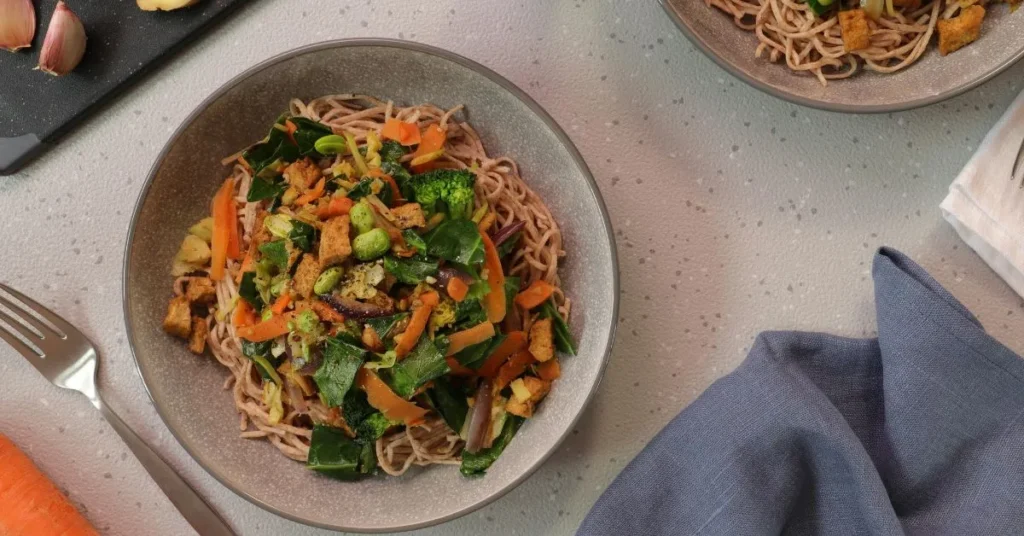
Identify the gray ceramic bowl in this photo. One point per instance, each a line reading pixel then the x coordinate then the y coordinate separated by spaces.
pixel 932 79
pixel 186 389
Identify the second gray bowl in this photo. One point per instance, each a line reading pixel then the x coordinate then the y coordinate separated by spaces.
pixel 186 389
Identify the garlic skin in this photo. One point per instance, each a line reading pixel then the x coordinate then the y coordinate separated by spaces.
pixel 64 43
pixel 163 5
pixel 17 24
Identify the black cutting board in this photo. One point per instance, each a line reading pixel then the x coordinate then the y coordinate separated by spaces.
pixel 124 43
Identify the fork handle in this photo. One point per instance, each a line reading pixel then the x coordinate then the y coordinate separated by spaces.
pixel 196 511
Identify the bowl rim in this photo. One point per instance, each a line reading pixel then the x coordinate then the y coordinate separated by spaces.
pixel 755 82
pixel 505 84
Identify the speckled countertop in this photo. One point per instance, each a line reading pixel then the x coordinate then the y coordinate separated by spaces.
pixel 734 213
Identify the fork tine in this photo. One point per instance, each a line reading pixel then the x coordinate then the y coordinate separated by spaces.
pixel 58 322
pixel 21 347
pixel 20 328
pixel 27 318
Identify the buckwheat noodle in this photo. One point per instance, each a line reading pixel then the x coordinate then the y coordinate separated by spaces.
pixel 789 31
pixel 498 184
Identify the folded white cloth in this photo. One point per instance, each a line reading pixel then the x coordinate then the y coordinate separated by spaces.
pixel 986 204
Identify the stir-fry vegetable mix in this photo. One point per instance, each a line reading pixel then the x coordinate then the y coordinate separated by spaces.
pixel 375 282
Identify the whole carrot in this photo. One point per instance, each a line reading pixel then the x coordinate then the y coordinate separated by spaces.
pixel 32 505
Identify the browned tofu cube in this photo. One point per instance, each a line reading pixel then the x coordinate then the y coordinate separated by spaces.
pixel 197 341
pixel 541 340
pixel 305 275
pixel 856 32
pixel 302 174
pixel 201 291
pixel 178 321
pixel 335 246
pixel 537 387
pixel 409 215
pixel 960 31
pixel 522 409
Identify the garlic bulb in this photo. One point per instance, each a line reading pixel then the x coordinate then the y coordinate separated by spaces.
pixel 64 44
pixel 17 24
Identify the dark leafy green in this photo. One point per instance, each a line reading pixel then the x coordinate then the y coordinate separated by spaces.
pixel 450 402
pixel 259 353
pixel 384 324
pixel 362 418
pixel 333 454
pixel 457 241
pixel 474 356
pixel 253 349
pixel 414 240
pixel 507 246
pixel 469 313
pixel 477 464
pixel 307 132
pixel 361 190
pixel 512 284
pixel 402 178
pixel 410 271
pixel 302 235
pixel 277 147
pixel 425 362
pixel 368 459
pixel 277 253
pixel 248 291
pixel 562 335
pixel 820 7
pixel 266 188
pixel 338 370
pixel 391 151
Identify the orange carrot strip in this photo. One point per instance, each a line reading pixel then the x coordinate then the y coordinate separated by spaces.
pixel 32 504
pixel 514 368
pixel 247 262
pixel 550 369
pixel 383 399
pixel 410 134
pixel 433 139
pixel 290 132
pixel 457 369
pixel 326 312
pixel 392 130
pixel 312 194
pixel 244 315
pixel 514 343
pixel 417 323
pixel 269 329
pixel 337 206
pixel 457 289
pixel 494 301
pixel 281 303
pixel 221 233
pixel 461 340
pixel 537 293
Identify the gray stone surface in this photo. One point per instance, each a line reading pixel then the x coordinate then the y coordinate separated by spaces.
pixel 734 213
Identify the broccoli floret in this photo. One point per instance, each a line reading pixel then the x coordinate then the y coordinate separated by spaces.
pixel 453 187
pixel 391 151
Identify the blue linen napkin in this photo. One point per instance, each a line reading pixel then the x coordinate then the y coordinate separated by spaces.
pixel 916 432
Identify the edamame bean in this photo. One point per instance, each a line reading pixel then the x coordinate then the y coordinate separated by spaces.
pixel 361 218
pixel 371 245
pixel 328 280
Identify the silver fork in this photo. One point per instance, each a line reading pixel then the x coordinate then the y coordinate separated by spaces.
pixel 68 359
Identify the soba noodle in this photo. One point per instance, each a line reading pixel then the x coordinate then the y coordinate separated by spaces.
pixel 498 184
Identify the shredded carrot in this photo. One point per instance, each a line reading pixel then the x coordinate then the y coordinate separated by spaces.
pixel 417 323
pixel 457 369
pixel 433 139
pixel 326 312
pixel 400 131
pixel 383 399
pixel 281 303
pixel 549 370
pixel 221 232
pixel 514 368
pixel 396 194
pixel 536 294
pixel 494 301
pixel 457 289
pixel 337 206
pixel 244 315
pixel 269 329
pixel 461 340
pixel 247 262
pixel 290 129
pixel 514 342
pixel 312 194
pixel 32 504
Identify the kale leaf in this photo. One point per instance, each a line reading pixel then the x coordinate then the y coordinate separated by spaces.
pixel 457 241
pixel 477 464
pixel 410 271
pixel 338 370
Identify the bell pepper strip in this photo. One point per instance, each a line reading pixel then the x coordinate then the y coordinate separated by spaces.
pixel 337 206
pixel 494 301
pixel 384 400
pixel 457 369
pixel 221 232
pixel 536 294
pixel 514 368
pixel 461 340
pixel 326 312
pixel 281 304
pixel 417 323
pixel 515 342
pixel 269 329
pixel 312 194
pixel 431 140
pixel 549 370
pixel 244 315
pixel 457 289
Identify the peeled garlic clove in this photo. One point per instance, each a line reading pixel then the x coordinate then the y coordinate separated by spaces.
pixel 164 5
pixel 17 24
pixel 64 44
